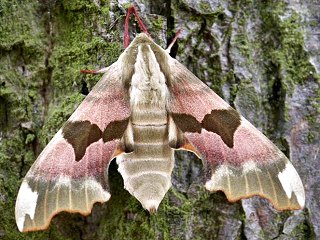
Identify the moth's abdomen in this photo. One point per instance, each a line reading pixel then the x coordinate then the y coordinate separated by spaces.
pixel 147 170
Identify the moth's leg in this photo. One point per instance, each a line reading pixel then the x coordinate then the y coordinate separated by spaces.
pixel 177 141
pixel 127 139
pixel 176 138
pixel 96 71
pixel 133 10
pixel 174 40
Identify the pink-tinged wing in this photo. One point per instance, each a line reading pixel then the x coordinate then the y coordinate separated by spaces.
pixel 71 172
pixel 239 159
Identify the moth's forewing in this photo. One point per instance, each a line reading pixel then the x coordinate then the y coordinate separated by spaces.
pixel 239 159
pixel 70 173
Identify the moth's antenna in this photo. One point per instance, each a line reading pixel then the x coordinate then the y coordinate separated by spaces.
pixel 126 39
pixel 96 71
pixel 174 40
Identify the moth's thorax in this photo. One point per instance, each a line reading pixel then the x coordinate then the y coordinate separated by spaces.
pixel 148 84
pixel 147 170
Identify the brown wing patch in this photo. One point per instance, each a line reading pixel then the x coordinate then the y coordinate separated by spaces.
pixel 186 123
pixel 80 135
pixel 223 122
pixel 115 130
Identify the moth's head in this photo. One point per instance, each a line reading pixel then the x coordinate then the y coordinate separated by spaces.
pixel 145 45
pixel 141 38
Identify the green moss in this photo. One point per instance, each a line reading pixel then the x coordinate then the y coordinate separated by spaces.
pixel 76 5
pixel 286 49
pixel 57 115
pixel 21 46
pixel 16 157
pixel 127 5
pixel 313 112
pixel 158 24
pixel 12 152
pixel 205 6
pixel 17 22
pixel 30 138
pixel 78 47
pixel 240 39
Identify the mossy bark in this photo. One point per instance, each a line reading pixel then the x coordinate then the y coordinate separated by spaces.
pixel 252 54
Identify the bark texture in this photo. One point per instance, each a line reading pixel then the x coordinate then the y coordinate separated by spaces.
pixel 261 56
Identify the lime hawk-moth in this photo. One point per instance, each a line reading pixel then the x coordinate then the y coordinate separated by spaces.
pixel 146 106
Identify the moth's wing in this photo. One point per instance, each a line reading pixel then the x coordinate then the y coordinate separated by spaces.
pixel 70 173
pixel 239 160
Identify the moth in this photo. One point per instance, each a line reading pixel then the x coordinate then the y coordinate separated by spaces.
pixel 146 106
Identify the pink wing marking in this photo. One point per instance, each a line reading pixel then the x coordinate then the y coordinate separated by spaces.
pixel 249 145
pixel 107 102
pixel 188 95
pixel 58 158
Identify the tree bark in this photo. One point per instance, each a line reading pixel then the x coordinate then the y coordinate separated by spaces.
pixel 262 57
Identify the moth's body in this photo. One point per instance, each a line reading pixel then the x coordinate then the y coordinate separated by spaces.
pixel 147 169
pixel 146 106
